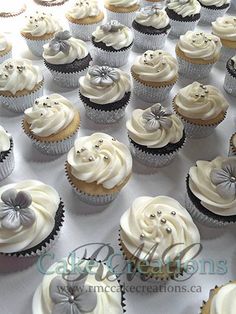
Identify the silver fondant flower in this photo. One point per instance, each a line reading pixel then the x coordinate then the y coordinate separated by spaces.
pixel 225 179
pixel 112 26
pixel 71 295
pixel 59 42
pixel 152 10
pixel 103 75
pixel 15 211
pixel 157 117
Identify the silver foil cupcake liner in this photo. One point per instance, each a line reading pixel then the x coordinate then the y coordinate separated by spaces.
pixel 197 131
pixel 149 42
pixel 70 79
pixel 210 15
pixel 191 70
pixel 83 31
pixel 111 58
pixel 179 27
pixel 201 218
pixel 6 56
pixel 7 165
pixel 226 53
pixel 230 84
pixel 98 200
pixel 36 46
pixel 21 103
pixel 123 18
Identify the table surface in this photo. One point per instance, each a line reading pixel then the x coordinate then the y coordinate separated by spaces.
pixel 16 290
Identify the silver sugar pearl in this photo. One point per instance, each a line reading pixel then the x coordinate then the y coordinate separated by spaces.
pixel 169 230
pixel 142 236
pixel 91 158
pixel 152 216
pixel 173 213
pixel 163 220
pixel 159 212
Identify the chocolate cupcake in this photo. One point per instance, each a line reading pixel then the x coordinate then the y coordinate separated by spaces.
pixel 212 9
pixel 7 162
pixel 230 76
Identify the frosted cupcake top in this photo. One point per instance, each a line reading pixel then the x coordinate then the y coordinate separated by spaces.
pixel 159 222
pixel 225 27
pixel 113 34
pixel 152 16
pixel 156 66
pixel 18 75
pixel 184 7
pixel 5 140
pixel 154 127
pixel 104 85
pixel 40 24
pixel 224 300
pixel 91 292
pixel 100 158
pixel 216 3
pixel 50 115
pixel 83 8
pixel 122 3
pixel 27 214
pixel 214 184
pixel 64 49
pixel 198 101
pixel 200 45
pixel 3 42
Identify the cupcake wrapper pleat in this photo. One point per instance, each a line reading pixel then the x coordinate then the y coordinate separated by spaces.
pixel 231 152
pixel 198 131
pixel 83 31
pixel 7 165
pixel 226 53
pixel 123 18
pixel 148 41
pixel 210 15
pixel 230 84
pixel 95 199
pixel 6 56
pixel 181 27
pixel 70 80
pixel 196 71
pixel 36 46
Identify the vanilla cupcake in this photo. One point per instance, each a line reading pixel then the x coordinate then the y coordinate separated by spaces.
pixel 184 15
pixel 201 108
pixel 154 75
pixel 112 44
pixel 149 228
pixel 84 17
pixel 105 93
pixel 5 48
pixel 211 191
pixel 232 145
pixel 151 27
pixel 98 167
pixel 67 58
pixel 21 83
pixel 197 52
pixel 31 216
pixel 230 76
pixel 156 135
pixel 7 162
pixel 38 30
pixel 122 10
pixel 212 9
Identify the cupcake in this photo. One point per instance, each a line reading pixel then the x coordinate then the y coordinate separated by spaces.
pixel 201 108
pixel 211 191
pixel 184 15
pixel 38 30
pixel 162 223
pixel 197 52
pixel 154 74
pixel 7 162
pixel 105 93
pixel 84 17
pixel 67 58
pixel 31 216
pixel 156 135
pixel 86 286
pixel 112 43
pixel 123 11
pixel 232 145
pixel 230 76
pixel 98 167
pixel 151 27
pixel 5 48
pixel 225 28
pixel 21 83
pixel 52 124
pixel 212 9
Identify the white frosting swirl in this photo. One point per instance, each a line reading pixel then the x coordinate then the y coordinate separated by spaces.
pixel 50 115
pixel 156 66
pixel 110 164
pixel 105 94
pixel 217 3
pixel 78 50
pixel 200 45
pixel 19 74
pixel 225 27
pixel 137 221
pixel 108 290
pixel 157 20
pixel 3 42
pixel 117 40
pixel 224 300
pixel 198 101
pixel 40 24
pixel 83 8
pixel 202 187
pixel 4 140
pixel 155 138
pixel 122 3
pixel 190 7
pixel 45 202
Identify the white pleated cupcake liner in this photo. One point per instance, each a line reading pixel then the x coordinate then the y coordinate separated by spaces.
pixel 201 218
pixel 21 103
pixel 230 84
pixel 149 3
pixel 148 41
pixel 181 27
pixel 210 15
pixel 70 79
pixel 191 70
pixel 36 46
pixel 226 53
pixel 111 58
pixel 123 18
pixel 195 131
pixel 83 31
pixel 7 165
pixel 149 93
pixel 6 56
